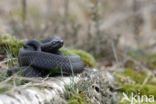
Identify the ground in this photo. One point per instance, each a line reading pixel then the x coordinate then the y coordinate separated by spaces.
pixel 133 77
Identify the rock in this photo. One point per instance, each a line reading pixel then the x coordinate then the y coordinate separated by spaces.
pixel 94 86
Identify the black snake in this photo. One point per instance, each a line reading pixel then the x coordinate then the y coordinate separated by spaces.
pixel 44 57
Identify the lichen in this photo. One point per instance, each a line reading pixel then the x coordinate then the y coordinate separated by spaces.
pixel 95 89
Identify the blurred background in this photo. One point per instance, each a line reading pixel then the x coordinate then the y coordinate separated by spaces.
pixel 120 34
pixel 104 28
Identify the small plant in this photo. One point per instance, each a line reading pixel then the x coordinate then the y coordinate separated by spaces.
pixel 74 96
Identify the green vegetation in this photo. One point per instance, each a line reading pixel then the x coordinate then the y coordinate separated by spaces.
pixel 139 90
pixel 75 95
pixel 138 77
pixel 152 61
pixel 142 89
pixel 10 44
pixel 132 81
pixel 77 98
pixel 140 55
pixel 87 58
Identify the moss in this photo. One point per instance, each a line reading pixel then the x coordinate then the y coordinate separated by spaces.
pixel 3 89
pixel 139 76
pixel 74 95
pixel 142 89
pixel 137 88
pixel 88 59
pixel 10 44
pixel 132 76
pixel 77 98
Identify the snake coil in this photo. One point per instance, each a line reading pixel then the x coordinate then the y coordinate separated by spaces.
pixel 45 57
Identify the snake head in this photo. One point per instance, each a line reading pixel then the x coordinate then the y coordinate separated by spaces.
pixel 56 42
pixel 52 44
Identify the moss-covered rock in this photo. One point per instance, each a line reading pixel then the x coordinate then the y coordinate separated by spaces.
pixel 87 58
pixel 10 44
pixel 95 88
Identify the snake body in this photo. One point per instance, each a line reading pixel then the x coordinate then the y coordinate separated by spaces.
pixel 45 56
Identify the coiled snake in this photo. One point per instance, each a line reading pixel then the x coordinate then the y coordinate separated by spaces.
pixel 45 57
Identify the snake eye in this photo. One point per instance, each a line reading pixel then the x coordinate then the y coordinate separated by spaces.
pixel 57 42
pixel 54 42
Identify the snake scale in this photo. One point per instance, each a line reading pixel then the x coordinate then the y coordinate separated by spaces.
pixel 43 57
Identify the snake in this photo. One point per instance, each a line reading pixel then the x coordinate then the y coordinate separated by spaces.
pixel 39 58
